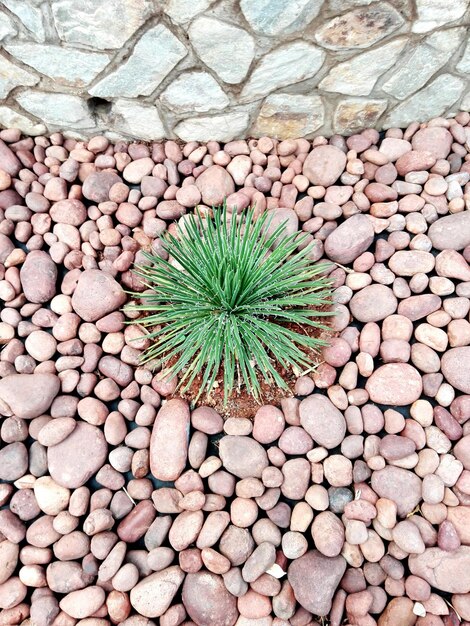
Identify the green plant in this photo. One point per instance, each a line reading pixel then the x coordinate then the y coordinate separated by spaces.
pixel 239 298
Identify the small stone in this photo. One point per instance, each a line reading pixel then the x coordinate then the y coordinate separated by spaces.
pixel 350 239
pixel 373 303
pixel 169 441
pixel 399 485
pixel 243 456
pixel 322 420
pixel 455 365
pixel 38 277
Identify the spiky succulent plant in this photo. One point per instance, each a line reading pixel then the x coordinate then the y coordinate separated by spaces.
pixel 235 297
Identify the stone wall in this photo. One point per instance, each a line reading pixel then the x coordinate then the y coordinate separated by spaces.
pixel 220 69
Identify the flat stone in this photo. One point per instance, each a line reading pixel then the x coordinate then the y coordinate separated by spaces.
pixel 195 92
pixel 68 65
pixel 397 384
pixel 96 295
pixel 324 165
pixel 273 19
pixel 207 600
pixel 12 76
pixel 7 26
pixel 57 110
pixel 431 101
pixel 214 128
pixel 152 596
pixel 354 114
pixel 287 116
pixel 464 64
pixel 291 63
pixel 433 14
pixel 455 365
pixel 217 43
pixel 30 16
pixel 314 579
pixel 242 456
pixel 139 75
pixel 360 28
pixel 426 58
pixel 322 420
pixel 104 25
pixel 73 461
pixel 182 11
pixel 446 571
pixel 451 232
pixel 27 395
pixel 169 440
pixel 373 303
pixel 357 76
pixel 9 118
pixel 350 239
pixel 400 485
pixel 139 121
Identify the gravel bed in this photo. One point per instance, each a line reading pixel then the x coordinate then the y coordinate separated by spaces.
pixel 350 501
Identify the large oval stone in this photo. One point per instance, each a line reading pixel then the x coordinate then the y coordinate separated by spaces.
pixel 451 232
pixel 322 420
pixel 243 456
pixel 215 184
pixel 446 571
pixel 38 277
pixel 96 295
pixel 73 461
pixel 400 485
pixel 397 384
pixel 373 303
pixel 350 239
pixel 324 165
pixel 455 365
pixel 152 596
pixel 207 600
pixel 314 579
pixel 27 395
pixel 169 440
pixel 417 307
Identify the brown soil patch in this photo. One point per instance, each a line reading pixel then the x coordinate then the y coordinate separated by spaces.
pixel 241 403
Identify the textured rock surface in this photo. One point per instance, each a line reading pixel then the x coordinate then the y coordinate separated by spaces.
pixel 227 70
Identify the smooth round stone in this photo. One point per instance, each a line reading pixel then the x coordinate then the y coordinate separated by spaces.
pixel 207 600
pixel 242 456
pixel 347 242
pixel 96 295
pixel 324 165
pixel 387 385
pixel 38 277
pixel 411 262
pixel 338 498
pixel 268 424
pixel 322 421
pixel 455 365
pixel 451 232
pixel 399 485
pixel 373 303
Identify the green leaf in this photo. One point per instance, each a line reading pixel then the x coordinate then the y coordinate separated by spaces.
pixel 235 298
